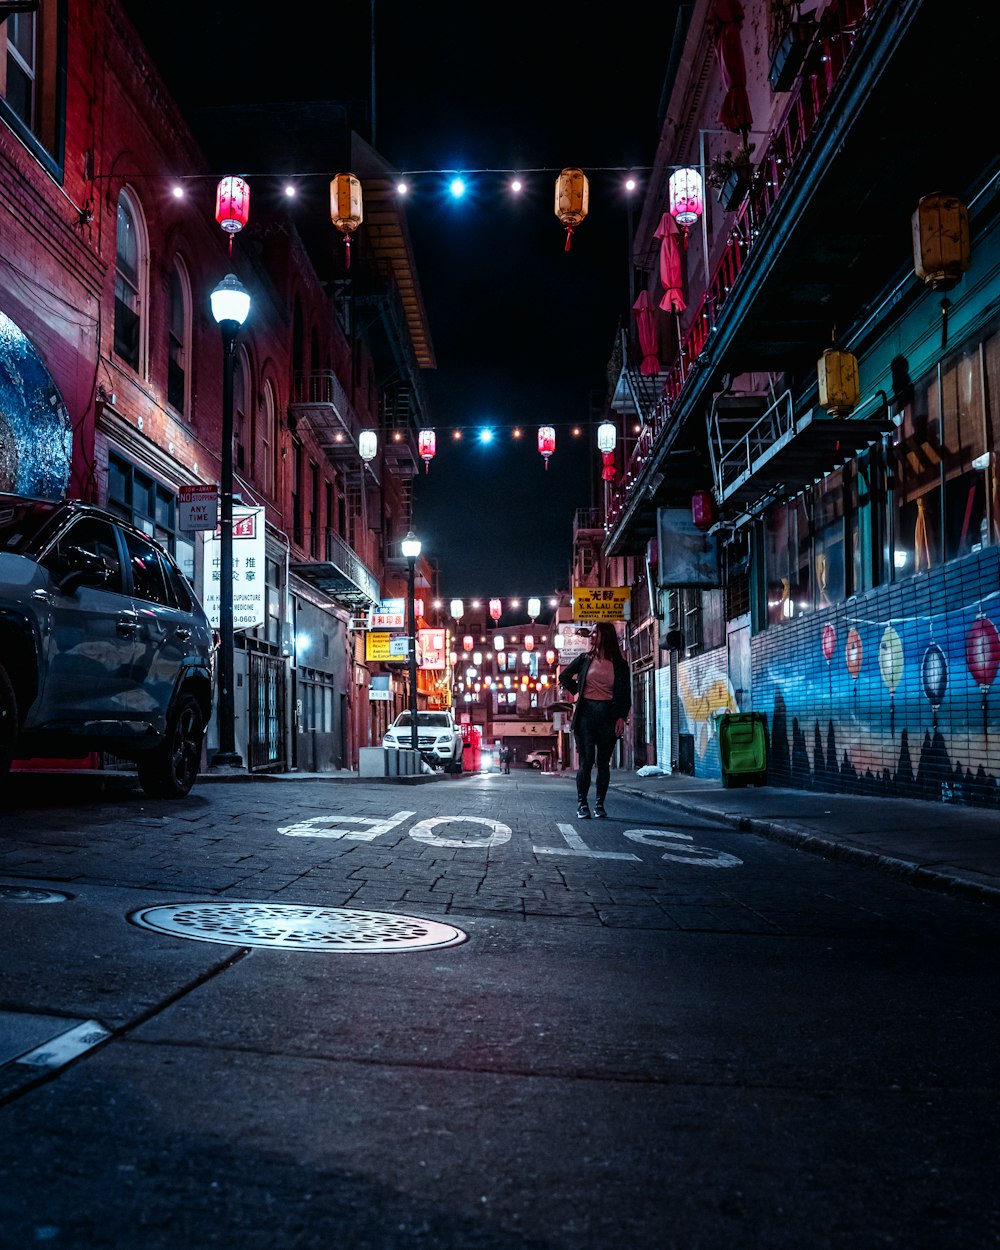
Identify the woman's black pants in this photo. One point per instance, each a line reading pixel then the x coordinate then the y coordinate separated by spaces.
pixel 594 731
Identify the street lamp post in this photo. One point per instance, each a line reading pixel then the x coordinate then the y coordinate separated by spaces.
pixel 230 306
pixel 411 549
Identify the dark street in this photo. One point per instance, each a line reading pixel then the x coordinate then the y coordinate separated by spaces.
pixel 651 1031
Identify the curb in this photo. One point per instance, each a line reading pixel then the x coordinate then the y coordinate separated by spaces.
pixel 804 840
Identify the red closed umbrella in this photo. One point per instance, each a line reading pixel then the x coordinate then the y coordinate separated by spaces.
pixel 671 278
pixel 645 321
pixel 725 25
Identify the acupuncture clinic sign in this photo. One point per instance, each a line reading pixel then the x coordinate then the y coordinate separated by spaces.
pixel 249 582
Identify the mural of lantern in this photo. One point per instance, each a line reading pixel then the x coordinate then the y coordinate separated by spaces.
pixel 890 665
pixel 853 653
pixel 232 206
pixel 367 445
pixel 982 655
pixel 467 643
pixel 607 436
pixel 427 446
pixel 572 200
pixel 546 442
pixel 346 211
pixel 839 390
pixel 686 200
pixel 934 674
pixel 496 609
pixel 829 644
pixel 941 250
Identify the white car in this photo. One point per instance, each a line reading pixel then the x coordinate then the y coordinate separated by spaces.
pixel 538 759
pixel 439 739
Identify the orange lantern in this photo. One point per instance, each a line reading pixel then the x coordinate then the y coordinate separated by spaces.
pixel 467 642
pixel 572 200
pixel 346 211
pixel 529 642
pixel 232 206
pixel 546 442
pixel 550 657
pixel 496 609
pixel 427 446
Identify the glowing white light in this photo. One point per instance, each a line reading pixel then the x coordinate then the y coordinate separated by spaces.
pixel 302 643
pixel 289 191
pixel 457 188
pixel 486 436
pixel 177 192
pixel 401 188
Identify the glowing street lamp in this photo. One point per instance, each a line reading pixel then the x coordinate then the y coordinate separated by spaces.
pixel 411 549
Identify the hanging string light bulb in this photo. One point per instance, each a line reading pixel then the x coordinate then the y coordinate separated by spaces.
pixel 232 206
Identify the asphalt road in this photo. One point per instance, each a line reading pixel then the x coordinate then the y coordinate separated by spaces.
pixel 646 1033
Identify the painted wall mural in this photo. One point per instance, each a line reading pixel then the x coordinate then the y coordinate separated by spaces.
pixel 891 693
pixel 705 693
pixel 36 435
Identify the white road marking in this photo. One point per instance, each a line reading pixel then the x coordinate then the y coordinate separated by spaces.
pixel 575 845
pixel 423 831
pixel 371 828
pixel 703 856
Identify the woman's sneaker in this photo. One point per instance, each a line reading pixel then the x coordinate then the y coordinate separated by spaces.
pixel 599 811
pixel 583 812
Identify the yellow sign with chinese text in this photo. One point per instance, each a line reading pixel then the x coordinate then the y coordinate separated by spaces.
pixel 601 603
pixel 377 645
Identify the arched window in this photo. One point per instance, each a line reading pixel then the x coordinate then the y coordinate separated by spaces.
pixel 130 281
pixel 179 338
pixel 241 412
pixel 268 442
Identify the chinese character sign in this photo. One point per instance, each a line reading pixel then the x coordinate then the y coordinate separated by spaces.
pixel 601 603
pixel 431 644
pixel 249 580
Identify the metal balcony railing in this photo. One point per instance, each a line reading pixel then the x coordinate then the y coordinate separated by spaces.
pixel 351 565
pixel 840 25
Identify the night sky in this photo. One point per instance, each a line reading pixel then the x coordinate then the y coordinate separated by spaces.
pixel 522 330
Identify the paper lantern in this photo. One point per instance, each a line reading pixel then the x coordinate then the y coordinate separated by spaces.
pixel 496 609
pixel 232 206
pixel 427 446
pixel 457 609
pixel 529 642
pixel 941 250
pixel 572 200
pixel 546 442
pixel 498 645
pixel 838 382
pixel 550 656
pixel 346 211
pixel 702 509
pixel 534 607
pixel 608 472
pixel 685 196
pixel 467 643
pixel 367 445
pixel 607 436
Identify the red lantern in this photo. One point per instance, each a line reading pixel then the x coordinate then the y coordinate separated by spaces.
pixel 232 206
pixel 608 472
pixel 496 609
pixel 702 509
pixel 529 642
pixel 467 642
pixel 546 442
pixel 427 446
pixel 982 654
pixel 686 199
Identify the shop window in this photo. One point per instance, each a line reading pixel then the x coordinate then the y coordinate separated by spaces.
pixel 828 543
pixel 130 279
pixel 33 78
pixel 788 559
pixel 151 507
pixel 178 337
pixel 941 495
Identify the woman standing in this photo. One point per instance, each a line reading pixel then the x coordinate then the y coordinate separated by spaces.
pixel 600 678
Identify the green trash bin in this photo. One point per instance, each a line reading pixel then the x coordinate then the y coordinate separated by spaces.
pixel 743 748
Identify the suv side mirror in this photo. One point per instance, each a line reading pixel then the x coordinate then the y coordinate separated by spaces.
pixel 85 568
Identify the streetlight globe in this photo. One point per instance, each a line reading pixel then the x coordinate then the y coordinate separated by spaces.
pixel 411 546
pixel 230 300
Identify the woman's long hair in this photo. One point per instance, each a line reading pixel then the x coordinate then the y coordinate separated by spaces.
pixel 604 641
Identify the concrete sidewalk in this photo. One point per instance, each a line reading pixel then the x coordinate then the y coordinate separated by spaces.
pixel 938 846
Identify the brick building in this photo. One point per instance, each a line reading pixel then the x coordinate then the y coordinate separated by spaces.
pixel 108 251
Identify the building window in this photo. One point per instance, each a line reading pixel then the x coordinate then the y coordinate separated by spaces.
pixel 178 337
pixel 151 507
pixel 268 439
pixel 129 281
pixel 297 493
pixel 788 559
pixel 32 78
pixel 313 510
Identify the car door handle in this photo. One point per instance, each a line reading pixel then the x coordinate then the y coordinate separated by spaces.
pixel 42 595
pixel 128 623
pixel 183 633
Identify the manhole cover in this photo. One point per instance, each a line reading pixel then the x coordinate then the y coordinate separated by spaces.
pixel 27 894
pixel 294 927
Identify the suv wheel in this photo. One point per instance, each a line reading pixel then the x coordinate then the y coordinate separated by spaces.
pixel 8 722
pixel 170 770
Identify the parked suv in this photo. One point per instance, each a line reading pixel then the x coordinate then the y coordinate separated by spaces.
pixel 103 645
pixel 438 738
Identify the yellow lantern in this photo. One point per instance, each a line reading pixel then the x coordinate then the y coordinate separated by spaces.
pixel 839 390
pixel 941 249
pixel 346 211
pixel 572 200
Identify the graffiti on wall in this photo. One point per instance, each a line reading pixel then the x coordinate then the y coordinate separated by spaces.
pixel 893 693
pixel 705 694
pixel 36 436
